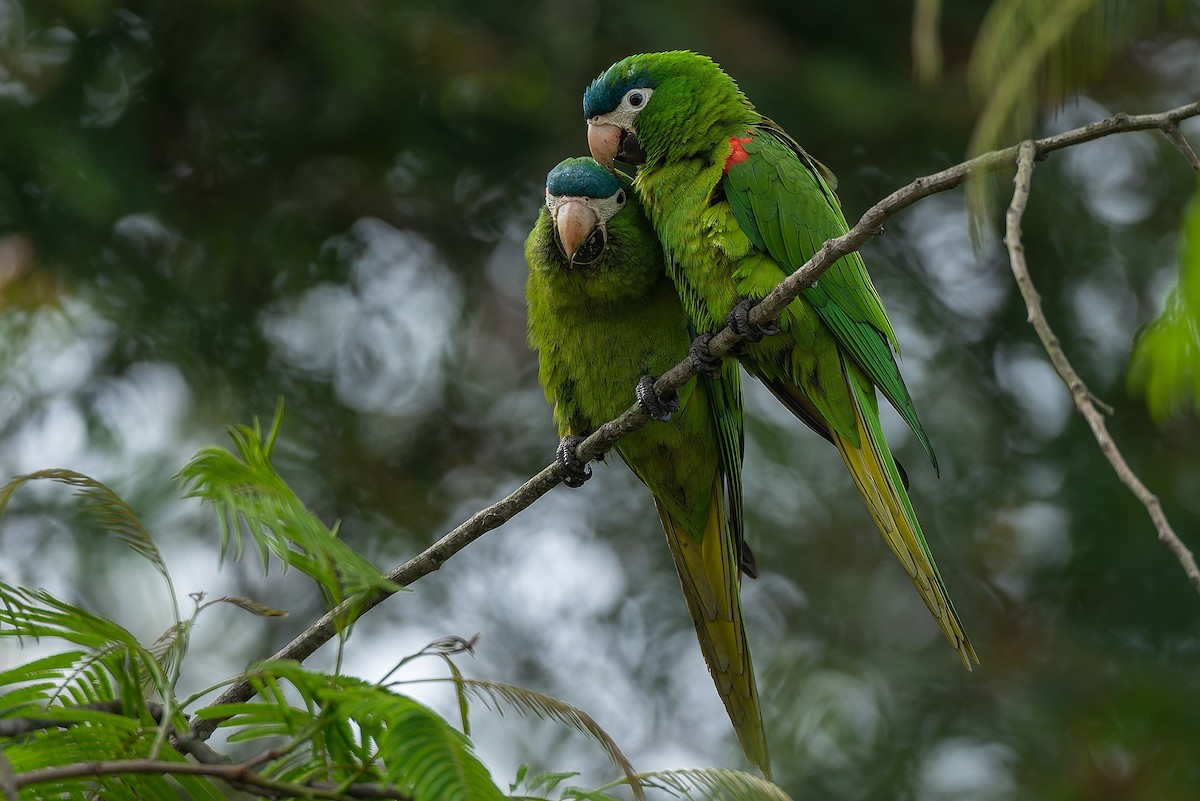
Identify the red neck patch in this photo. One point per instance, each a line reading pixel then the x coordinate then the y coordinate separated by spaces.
pixel 738 153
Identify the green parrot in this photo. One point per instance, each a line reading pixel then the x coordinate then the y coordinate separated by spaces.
pixel 604 318
pixel 739 205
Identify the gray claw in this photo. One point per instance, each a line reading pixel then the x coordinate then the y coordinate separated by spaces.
pixel 575 472
pixel 739 320
pixel 658 408
pixel 702 360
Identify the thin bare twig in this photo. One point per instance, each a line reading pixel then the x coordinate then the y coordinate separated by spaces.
pixel 768 309
pixel 1171 129
pixel 1079 392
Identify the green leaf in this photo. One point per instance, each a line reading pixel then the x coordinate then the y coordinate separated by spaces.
pixel 401 741
pixel 250 605
pixel 107 507
pixel 547 707
pixel 115 665
pixel 1165 365
pixel 714 784
pixel 547 781
pixel 251 497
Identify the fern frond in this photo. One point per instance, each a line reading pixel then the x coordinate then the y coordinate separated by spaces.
pixel 32 683
pixel 250 497
pixel 106 736
pixel 399 740
pixel 422 749
pixel 527 702
pixel 714 784
pixel 108 508
pixel 130 667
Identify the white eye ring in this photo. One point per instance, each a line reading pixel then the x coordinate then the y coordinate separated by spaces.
pixel 620 197
pixel 637 98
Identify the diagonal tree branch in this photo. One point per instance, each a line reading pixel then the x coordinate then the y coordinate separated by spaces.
pixel 768 309
pixel 241 775
pixel 1079 392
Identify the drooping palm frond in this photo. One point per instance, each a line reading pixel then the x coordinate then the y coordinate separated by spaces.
pixel 1033 53
pixel 251 498
pixel 1165 365
pixel 546 707
pixel 714 784
pixel 109 509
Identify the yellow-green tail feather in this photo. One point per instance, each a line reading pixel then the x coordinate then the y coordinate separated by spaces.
pixel 878 481
pixel 708 573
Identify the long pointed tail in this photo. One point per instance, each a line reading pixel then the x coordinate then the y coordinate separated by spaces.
pixel 879 481
pixel 708 573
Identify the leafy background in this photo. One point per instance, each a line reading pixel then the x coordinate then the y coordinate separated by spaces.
pixel 205 206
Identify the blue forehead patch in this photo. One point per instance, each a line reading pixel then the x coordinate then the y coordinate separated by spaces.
pixel 606 91
pixel 581 177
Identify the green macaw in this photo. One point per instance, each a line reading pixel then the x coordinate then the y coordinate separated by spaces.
pixel 604 318
pixel 738 205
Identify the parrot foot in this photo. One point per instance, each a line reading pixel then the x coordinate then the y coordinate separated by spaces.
pixel 659 408
pixel 739 320
pixel 703 361
pixel 574 471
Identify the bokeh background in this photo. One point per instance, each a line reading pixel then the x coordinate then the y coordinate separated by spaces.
pixel 208 205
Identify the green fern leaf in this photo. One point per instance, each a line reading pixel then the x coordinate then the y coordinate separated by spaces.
pixel 422 749
pixel 251 498
pixel 714 784
pixel 527 702
pixel 111 649
pixel 415 747
pixel 108 508
pixel 37 676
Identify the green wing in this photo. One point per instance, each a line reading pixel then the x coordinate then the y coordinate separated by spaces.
pixel 785 206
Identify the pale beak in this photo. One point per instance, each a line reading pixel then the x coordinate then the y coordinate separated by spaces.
pixel 604 139
pixel 575 222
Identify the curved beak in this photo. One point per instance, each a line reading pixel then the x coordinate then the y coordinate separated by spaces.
pixel 574 222
pixel 604 140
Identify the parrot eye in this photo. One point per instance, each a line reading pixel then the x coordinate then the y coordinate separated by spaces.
pixel 621 197
pixel 636 98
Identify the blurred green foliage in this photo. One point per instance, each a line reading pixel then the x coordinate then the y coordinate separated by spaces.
pixel 1165 364
pixel 208 205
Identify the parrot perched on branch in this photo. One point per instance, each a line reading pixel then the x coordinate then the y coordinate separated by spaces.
pixel 604 318
pixel 738 205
